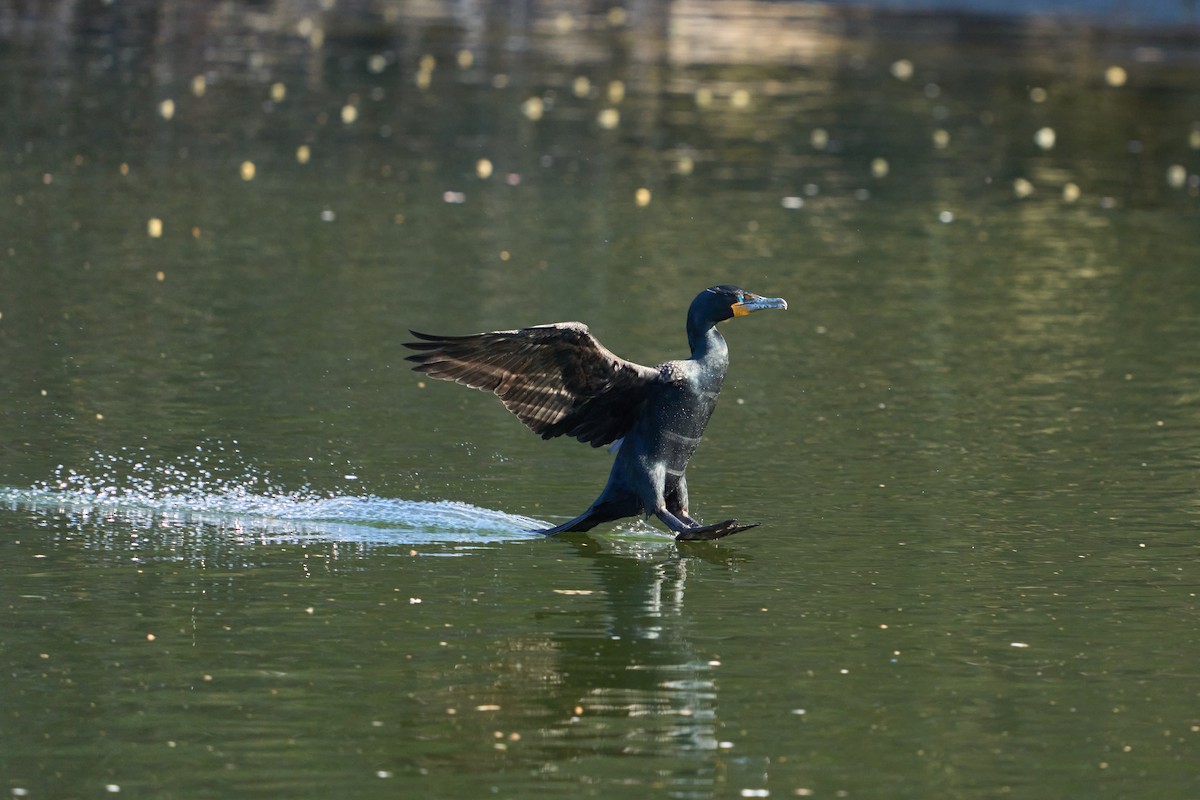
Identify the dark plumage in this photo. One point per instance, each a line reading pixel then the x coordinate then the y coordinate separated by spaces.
pixel 560 381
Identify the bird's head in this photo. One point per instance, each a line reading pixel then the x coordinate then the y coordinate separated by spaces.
pixel 719 303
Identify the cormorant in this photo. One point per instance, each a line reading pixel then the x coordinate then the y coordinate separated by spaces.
pixel 559 380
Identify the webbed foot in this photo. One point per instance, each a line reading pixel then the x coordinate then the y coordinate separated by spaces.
pixel 717 530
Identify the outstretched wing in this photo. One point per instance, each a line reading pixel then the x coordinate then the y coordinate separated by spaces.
pixel 558 379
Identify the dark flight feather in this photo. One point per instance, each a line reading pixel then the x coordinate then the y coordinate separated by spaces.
pixel 557 379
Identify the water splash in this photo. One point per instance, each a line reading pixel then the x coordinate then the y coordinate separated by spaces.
pixel 215 489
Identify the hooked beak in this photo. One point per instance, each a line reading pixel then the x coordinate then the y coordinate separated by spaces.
pixel 755 303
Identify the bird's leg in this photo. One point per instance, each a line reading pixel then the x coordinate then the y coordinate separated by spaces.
pixel 677 503
pixel 673 522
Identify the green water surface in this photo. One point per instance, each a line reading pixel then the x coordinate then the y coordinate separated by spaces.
pixel 971 440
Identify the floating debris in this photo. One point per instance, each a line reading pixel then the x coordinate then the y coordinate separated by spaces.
pixel 902 69
pixel 581 87
pixel 1037 94
pixel 1022 188
pixel 1176 176
pixel 483 168
pixel 199 86
pixel 1045 138
pixel 941 138
pixel 166 108
pixel 248 170
pixel 792 203
pixel 303 154
pixel 616 92
pixel 819 138
pixel 608 119
pixel 1070 193
pixel 154 228
pixel 879 167
pixel 278 92
pixel 533 108
pixel 1115 76
pixel 642 197
pixel 349 113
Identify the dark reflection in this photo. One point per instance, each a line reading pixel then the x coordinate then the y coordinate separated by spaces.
pixel 629 668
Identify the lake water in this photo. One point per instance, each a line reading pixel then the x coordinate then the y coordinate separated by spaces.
pixel 245 552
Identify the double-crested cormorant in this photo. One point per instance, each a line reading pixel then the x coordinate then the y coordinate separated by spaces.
pixel 559 380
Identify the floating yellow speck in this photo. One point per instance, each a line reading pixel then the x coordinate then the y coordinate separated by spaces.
pixel 902 69
pixel 563 23
pixel 304 27
pixel 199 85
pixel 704 97
pixel 167 108
pixel 1022 188
pixel 1194 138
pixel 1176 176
pixel 196 231
pixel 317 40
pixel 398 219
pixel 150 637
pixel 1070 193
pixel 303 154
pixel 1045 138
pixel 465 58
pixel 154 227
pixel 685 165
pixel 533 108
pixel 248 170
pixel 617 16
pixel 941 138
pixel 349 114
pixel 608 118
pixel 1115 76
pixel 427 63
pixel 879 167
pixel 377 63
pixel 642 197
pixel 616 92
pixel 581 86
pixel 740 98
pixel 99 415
pixel 160 276
pixel 278 92
pixel 819 138
pixel 505 255
pixel 1037 94
pixel 483 168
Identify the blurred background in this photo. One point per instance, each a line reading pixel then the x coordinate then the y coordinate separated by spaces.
pixel 971 439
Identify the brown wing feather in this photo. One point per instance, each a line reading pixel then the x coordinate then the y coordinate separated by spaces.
pixel 557 379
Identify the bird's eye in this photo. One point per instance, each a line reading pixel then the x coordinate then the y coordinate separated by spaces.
pixel 741 297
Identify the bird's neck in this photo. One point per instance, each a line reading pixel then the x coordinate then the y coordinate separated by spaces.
pixel 708 345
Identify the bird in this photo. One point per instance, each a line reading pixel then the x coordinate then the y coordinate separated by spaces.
pixel 559 380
